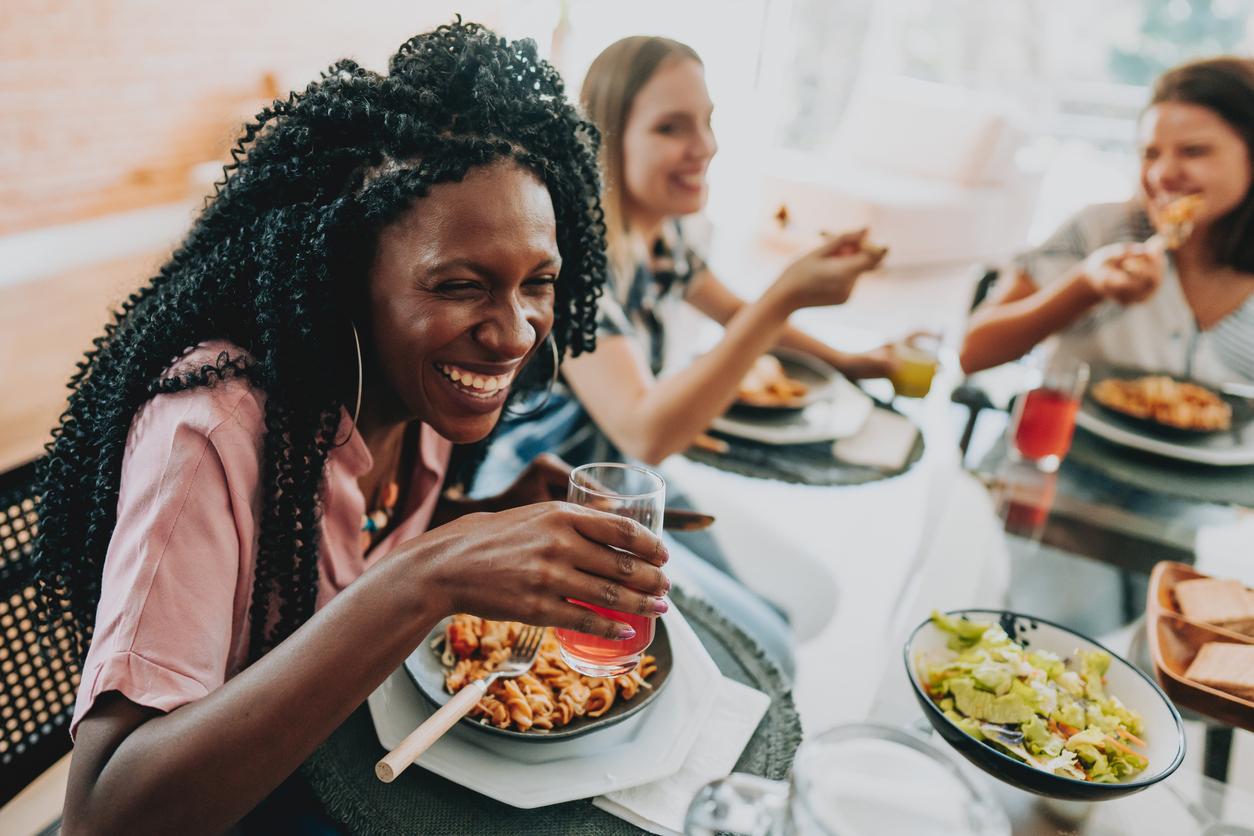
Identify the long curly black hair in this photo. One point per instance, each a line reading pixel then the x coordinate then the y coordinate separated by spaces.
pixel 276 262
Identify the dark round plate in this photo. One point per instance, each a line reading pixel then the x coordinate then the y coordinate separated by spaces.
pixel 813 372
pixel 1242 408
pixel 427 673
pixel 1163 731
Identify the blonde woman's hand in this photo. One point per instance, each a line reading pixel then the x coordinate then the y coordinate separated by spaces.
pixel 826 275
pixel 1126 273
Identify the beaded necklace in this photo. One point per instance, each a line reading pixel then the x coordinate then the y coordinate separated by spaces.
pixel 373 523
pixel 377 520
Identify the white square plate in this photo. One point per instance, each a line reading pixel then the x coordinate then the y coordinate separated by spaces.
pixel 586 766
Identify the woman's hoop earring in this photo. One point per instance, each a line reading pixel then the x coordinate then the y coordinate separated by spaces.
pixel 548 392
pixel 360 380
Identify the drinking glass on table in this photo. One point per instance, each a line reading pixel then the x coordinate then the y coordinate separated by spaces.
pixel 639 494
pixel 1044 418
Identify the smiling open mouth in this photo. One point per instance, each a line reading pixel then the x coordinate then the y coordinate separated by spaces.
pixel 482 386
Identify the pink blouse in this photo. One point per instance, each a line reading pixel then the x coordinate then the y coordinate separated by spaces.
pixel 172 624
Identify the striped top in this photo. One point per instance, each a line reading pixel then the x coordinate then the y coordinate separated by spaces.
pixel 1159 334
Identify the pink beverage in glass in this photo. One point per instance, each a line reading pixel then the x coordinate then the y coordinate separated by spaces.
pixel 608 653
pixel 629 491
pixel 1045 426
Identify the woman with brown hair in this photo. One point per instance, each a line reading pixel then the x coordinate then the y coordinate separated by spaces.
pixel 1116 293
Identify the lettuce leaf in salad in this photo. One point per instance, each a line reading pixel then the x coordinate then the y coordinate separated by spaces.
pixel 1050 713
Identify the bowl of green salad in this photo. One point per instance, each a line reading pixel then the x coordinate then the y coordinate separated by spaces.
pixel 1042 707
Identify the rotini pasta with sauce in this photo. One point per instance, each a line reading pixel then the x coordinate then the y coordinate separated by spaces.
pixel 547 697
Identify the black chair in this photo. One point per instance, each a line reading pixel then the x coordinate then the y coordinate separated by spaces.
pixel 37 686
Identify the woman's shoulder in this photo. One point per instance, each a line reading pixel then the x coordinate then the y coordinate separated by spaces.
pixel 217 395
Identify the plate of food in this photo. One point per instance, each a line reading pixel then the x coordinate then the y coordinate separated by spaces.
pixel 835 408
pixel 1168 415
pixel 783 382
pixel 1176 407
pixel 551 702
pixel 1042 707
pixel 1201 637
pixel 646 747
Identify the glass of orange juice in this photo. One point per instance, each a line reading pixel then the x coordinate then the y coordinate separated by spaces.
pixel 917 361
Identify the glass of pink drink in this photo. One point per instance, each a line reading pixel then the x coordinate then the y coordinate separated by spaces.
pixel 1044 418
pixel 629 491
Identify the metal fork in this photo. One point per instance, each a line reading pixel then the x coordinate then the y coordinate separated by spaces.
pixel 521 657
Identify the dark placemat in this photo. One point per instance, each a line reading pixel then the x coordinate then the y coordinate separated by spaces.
pixel 800 464
pixel 1157 474
pixel 341 771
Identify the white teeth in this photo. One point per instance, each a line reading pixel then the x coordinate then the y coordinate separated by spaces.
pixel 486 384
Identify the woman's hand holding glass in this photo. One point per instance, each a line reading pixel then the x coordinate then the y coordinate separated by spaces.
pixel 524 564
pixel 826 275
pixel 1126 273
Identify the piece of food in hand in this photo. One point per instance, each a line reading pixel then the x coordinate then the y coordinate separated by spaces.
pixel 1222 602
pixel 862 245
pixel 1173 403
pixel 767 384
pixel 1177 220
pixel 1225 666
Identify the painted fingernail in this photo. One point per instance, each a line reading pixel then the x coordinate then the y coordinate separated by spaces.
pixel 660 606
pixel 626 631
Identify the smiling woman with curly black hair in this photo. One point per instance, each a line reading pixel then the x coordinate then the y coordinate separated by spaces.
pixel 242 518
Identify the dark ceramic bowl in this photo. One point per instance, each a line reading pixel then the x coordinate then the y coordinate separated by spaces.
pixel 1163 731
pixel 427 673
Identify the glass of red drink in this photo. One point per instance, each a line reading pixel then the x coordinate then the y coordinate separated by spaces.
pixel 1044 418
pixel 629 491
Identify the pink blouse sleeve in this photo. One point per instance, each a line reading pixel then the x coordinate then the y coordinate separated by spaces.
pixel 178 571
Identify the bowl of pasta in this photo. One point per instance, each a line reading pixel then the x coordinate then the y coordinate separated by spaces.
pixel 547 704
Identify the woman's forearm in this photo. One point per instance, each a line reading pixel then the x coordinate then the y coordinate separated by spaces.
pixel 203 766
pixel 662 417
pixel 1001 332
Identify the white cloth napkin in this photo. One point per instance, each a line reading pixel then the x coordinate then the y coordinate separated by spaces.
pixel 660 807
pixel 885 441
